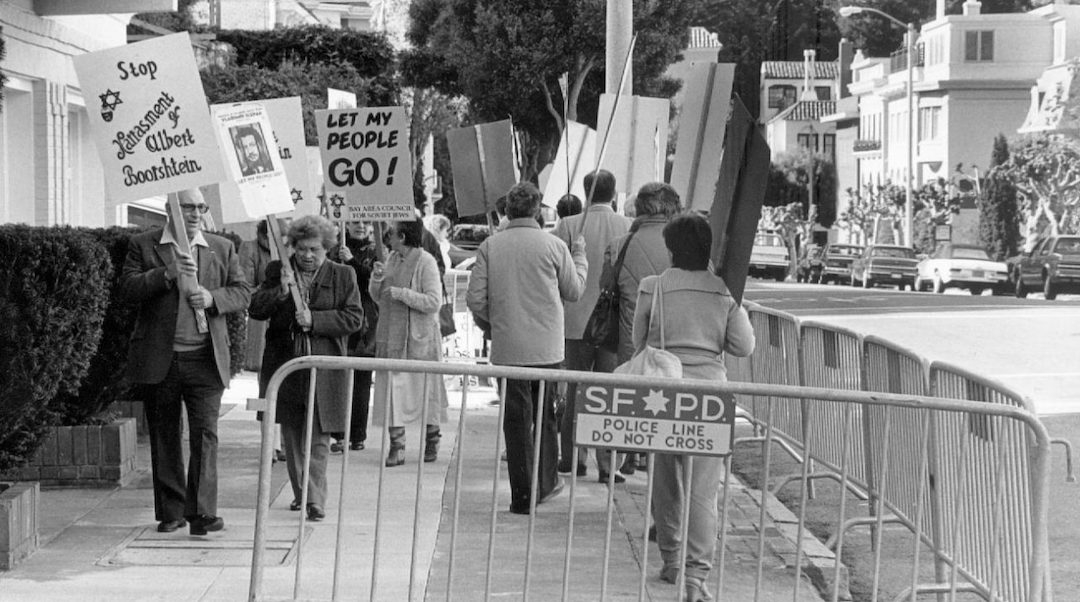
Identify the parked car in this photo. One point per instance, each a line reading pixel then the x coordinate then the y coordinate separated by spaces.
pixel 885 264
pixel 769 257
pixel 961 266
pixel 468 236
pixel 838 259
pixel 1052 265
pixel 810 265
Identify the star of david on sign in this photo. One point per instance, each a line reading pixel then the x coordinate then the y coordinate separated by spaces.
pixel 109 100
pixel 337 202
pixel 297 196
pixel 655 402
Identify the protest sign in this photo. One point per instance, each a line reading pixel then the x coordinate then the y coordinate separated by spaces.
pixel 366 161
pixel 340 99
pixel 636 139
pixel 286 122
pixel 482 161
pixel 249 148
pixel 702 121
pixel 733 219
pixel 149 118
pixel 575 158
pixel 650 419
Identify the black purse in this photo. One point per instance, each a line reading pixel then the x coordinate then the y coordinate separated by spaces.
pixel 602 329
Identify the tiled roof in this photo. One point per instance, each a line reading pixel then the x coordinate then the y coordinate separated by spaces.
pixel 794 69
pixel 807 110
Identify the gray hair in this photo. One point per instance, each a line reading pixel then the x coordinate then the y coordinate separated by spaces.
pixel 523 200
pixel 657 198
pixel 313 226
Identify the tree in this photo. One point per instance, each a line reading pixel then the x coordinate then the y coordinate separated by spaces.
pixel 999 216
pixel 506 58
pixel 867 206
pixel 3 78
pixel 753 31
pixel 1045 169
pixel 795 168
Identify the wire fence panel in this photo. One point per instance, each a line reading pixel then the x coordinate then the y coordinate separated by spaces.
pixel 990 511
pixel 776 361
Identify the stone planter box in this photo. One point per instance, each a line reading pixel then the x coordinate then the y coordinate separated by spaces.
pixel 18 522
pixel 84 456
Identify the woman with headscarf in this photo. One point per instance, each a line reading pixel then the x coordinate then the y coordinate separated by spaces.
pixel 408 290
pixel 332 313
pixel 701 322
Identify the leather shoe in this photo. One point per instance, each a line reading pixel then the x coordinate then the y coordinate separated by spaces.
pixel 696 591
pixel 201 525
pixel 356 445
pixel 564 466
pixel 604 478
pixel 315 513
pixel 168 526
pixel 294 505
pixel 582 470
pixel 336 447
pixel 519 508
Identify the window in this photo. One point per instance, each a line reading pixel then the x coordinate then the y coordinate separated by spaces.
pixel 828 144
pixel 819 143
pixel 823 92
pixel 978 46
pixel 781 96
pixel 808 141
pixel 929 123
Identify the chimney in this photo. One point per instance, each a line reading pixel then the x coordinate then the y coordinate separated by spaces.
pixel 940 12
pixel 808 92
pixel 844 59
pixel 972 8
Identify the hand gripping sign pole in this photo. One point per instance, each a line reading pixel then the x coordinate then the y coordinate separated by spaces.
pixel 185 283
pixel 277 245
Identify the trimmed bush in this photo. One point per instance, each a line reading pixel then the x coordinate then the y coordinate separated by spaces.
pixel 53 295
pixel 237 323
pixel 104 382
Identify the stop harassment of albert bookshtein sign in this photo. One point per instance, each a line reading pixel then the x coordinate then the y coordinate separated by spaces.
pixel 654 419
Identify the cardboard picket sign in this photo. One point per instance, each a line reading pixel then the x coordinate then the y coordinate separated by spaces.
pixel 482 161
pixel 702 122
pixel 366 163
pixel 287 126
pixel 575 158
pixel 149 118
pixel 257 185
pixel 741 209
pixel 636 144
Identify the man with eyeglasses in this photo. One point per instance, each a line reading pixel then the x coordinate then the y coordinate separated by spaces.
pixel 180 362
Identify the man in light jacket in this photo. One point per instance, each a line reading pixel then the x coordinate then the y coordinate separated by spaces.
pixel 599 225
pixel 521 277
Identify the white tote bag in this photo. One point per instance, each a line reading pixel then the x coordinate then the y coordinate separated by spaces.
pixel 651 361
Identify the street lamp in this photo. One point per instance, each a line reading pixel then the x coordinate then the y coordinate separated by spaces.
pixel 909 205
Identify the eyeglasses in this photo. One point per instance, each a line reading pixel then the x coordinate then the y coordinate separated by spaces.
pixel 194 208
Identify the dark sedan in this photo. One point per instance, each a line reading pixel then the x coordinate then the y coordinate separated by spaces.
pixel 885 264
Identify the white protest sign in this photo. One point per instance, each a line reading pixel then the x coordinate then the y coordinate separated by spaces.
pixel 149 118
pixel 366 163
pixel 249 149
pixel 654 419
pixel 575 158
pixel 286 122
pixel 340 99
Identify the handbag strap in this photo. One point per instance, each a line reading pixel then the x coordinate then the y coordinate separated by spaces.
pixel 657 308
pixel 622 252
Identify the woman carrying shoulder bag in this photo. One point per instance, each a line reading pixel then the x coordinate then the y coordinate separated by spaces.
pixel 700 322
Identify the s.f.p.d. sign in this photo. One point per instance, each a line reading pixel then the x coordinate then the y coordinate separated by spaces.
pixel 366 162
pixel 658 420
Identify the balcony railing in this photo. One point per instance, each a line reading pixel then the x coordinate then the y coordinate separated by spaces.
pixel 862 146
pixel 898 59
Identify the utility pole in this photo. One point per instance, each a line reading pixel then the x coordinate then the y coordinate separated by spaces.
pixel 620 29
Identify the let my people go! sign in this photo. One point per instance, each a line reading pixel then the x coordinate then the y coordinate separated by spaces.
pixel 654 419
pixel 366 163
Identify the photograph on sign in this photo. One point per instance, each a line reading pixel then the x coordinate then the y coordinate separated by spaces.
pixel 648 419
pixel 575 158
pixel 149 119
pixel 287 127
pixel 251 152
pixel 366 161
pixel 636 139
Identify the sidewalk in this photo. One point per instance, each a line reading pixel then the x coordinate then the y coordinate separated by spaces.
pixel 102 544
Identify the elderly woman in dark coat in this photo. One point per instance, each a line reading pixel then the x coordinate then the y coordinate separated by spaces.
pixel 333 312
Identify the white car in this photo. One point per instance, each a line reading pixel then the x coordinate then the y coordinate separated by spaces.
pixel 962 266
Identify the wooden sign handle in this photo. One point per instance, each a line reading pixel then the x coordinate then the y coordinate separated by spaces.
pixel 185 283
pixel 278 242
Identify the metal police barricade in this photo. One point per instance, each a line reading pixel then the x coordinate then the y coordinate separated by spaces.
pixel 615 411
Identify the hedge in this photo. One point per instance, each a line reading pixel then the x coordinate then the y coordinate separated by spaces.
pixel 60 307
pixel 53 295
